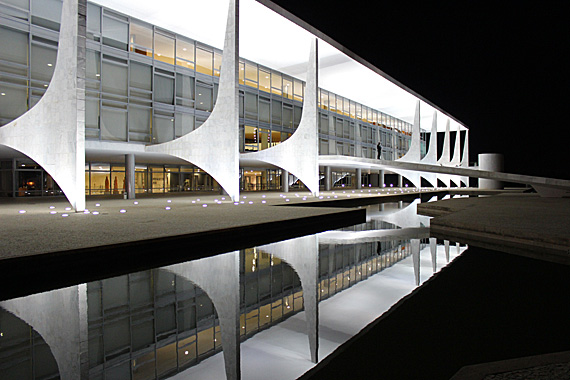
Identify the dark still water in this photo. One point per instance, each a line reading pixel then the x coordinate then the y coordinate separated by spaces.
pixel 289 303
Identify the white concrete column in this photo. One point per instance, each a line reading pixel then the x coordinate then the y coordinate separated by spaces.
pixel 493 162
pixel 358 178
pixel 220 159
pixel 431 155
pixel 299 154
pixel 284 181
pixel 130 175
pixel 414 153
pixel 381 178
pixel 400 181
pixel 52 133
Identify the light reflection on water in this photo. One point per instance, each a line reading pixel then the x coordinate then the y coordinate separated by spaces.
pixel 168 321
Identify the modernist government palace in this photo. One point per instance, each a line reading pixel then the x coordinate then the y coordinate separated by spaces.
pixel 94 100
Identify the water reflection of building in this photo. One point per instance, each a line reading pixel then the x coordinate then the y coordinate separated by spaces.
pixel 24 354
pixel 155 323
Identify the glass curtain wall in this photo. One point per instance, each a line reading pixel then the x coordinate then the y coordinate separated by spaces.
pixel 147 85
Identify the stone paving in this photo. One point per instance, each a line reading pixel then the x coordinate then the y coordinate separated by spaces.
pixel 41 225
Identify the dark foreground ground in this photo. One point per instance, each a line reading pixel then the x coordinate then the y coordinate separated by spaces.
pixel 485 306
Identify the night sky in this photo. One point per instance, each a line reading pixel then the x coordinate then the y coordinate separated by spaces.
pixel 501 68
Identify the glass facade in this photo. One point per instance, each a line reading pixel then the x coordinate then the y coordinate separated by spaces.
pixel 146 85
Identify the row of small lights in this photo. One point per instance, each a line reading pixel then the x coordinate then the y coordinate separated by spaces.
pixel 217 201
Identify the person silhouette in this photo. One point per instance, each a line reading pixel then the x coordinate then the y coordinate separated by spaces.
pixel 379 149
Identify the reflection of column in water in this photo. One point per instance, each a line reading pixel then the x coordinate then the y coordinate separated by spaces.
pixel 60 317
pixel 302 254
pixel 218 276
pixel 416 259
pixel 433 250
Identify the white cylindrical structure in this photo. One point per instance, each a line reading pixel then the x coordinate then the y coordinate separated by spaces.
pixel 493 162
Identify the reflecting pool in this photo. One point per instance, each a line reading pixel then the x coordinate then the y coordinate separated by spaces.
pixel 274 309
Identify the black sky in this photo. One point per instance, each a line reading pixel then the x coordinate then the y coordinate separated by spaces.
pixel 501 68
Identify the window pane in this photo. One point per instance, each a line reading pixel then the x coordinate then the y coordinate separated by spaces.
pixel 276 112
pixel 264 110
pixel 163 89
pixel 12 102
pixel 204 100
pixel 13 46
pixel 141 39
pixel 185 51
pixel 114 79
pixel 115 32
pixel 163 129
pixel 19 3
pixel 164 48
pixel 43 62
pixel 141 76
pixel 298 91
pixel 184 124
pixel 217 64
pixel 92 113
pixel 287 116
pixel 287 88
pixel 297 111
pixel 276 83
pixel 251 75
pixel 251 105
pixel 93 18
pixel 250 134
pixel 139 119
pixel 264 80
pixel 184 86
pixel 204 61
pixel 93 65
pixel 113 124
pixel 46 13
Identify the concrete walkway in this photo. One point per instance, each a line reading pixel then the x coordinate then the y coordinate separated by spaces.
pixel 33 226
pixel 524 224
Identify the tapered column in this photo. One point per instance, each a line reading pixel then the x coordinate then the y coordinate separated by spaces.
pixel 52 133
pixel 358 178
pixel 381 178
pixel 299 153
pixel 130 175
pixel 219 158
